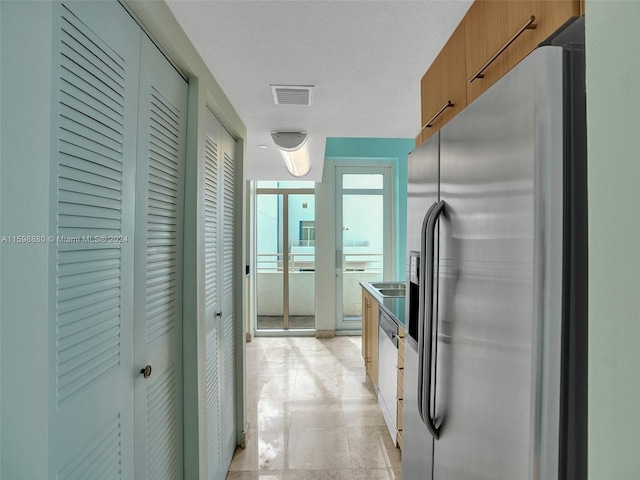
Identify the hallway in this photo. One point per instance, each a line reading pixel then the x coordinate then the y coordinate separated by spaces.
pixel 312 414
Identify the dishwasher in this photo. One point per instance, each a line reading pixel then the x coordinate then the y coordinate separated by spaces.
pixel 388 370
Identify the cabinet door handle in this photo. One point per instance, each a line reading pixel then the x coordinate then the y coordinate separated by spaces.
pixel 433 119
pixel 529 25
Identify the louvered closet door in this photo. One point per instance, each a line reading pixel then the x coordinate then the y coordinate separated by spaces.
pixel 94 147
pixel 227 289
pixel 158 267
pixel 219 178
pixel 212 295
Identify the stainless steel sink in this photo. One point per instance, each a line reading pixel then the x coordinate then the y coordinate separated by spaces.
pixel 383 285
pixel 389 289
pixel 392 292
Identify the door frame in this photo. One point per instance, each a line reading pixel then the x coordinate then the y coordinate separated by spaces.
pixel 388 269
pixel 285 192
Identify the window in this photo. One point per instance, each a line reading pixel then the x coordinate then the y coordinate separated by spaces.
pixel 307 233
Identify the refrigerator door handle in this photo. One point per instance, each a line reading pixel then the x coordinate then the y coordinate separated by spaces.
pixel 425 315
pixel 421 294
pixel 426 356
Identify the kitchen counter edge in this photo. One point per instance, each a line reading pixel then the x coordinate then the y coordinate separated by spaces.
pixel 392 306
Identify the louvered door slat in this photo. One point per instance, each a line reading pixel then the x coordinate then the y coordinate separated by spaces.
pixel 88 88
pixel 214 451
pixel 228 223
pixel 83 126
pixel 98 192
pixel 105 63
pixel 75 100
pixel 81 198
pixel 98 457
pixel 81 177
pixel 162 183
pixel 211 202
pixel 162 422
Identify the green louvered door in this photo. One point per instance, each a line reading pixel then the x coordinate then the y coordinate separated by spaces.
pixel 158 267
pixel 119 149
pixel 212 295
pixel 94 147
pixel 228 398
pixel 219 210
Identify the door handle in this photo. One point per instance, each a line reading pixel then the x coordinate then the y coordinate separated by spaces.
pixel 421 300
pixel 425 360
pixel 528 25
pixel 218 314
pixel 146 371
pixel 429 124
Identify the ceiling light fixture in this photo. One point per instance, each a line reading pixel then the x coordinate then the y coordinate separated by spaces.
pixel 294 150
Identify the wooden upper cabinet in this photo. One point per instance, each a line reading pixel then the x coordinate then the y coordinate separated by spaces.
pixel 499 27
pixel 443 88
pixel 492 38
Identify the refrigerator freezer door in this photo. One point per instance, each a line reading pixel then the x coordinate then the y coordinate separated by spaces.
pixel 422 193
pixel 422 187
pixel 500 279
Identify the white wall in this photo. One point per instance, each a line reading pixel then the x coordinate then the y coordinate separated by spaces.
pixel 325 251
pixel 613 119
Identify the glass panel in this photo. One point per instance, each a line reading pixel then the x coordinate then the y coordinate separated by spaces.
pixel 291 184
pixel 302 261
pixel 363 243
pixel 269 262
pixel 362 181
pixel 266 184
pixel 296 184
pixel 285 271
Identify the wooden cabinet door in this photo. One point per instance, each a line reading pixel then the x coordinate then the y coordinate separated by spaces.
pixel 370 336
pixel 490 25
pixel 444 84
pixel 551 15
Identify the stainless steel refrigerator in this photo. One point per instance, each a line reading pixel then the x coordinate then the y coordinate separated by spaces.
pixel 495 364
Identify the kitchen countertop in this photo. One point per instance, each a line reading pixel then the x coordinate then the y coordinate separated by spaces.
pixel 393 306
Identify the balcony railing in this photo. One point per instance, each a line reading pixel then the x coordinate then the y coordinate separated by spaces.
pixel 357 267
pixel 305 262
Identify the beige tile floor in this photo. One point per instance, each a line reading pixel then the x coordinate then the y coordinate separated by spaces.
pixel 313 415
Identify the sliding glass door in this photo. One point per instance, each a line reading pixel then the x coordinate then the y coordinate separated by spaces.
pixel 285 247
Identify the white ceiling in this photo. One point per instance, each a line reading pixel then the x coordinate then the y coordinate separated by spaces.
pixel 365 58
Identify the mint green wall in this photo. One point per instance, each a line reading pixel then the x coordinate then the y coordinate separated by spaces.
pixel 25 126
pixel 613 119
pixel 25 150
pixel 383 149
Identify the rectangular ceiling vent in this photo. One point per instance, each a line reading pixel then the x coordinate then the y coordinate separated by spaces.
pixel 292 94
